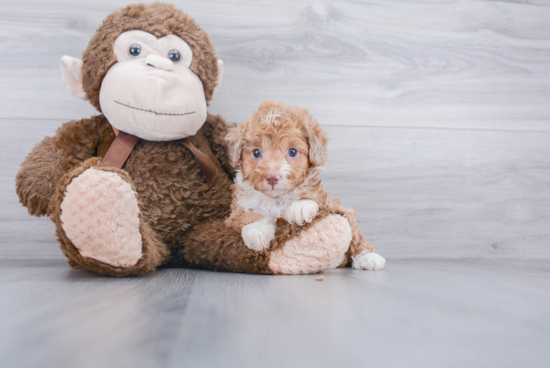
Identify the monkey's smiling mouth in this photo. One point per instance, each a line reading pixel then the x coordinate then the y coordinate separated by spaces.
pixel 153 112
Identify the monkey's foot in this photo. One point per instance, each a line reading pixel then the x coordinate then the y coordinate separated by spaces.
pixel 100 216
pixel 320 247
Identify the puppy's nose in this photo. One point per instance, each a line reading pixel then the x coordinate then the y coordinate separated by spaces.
pixel 159 62
pixel 272 179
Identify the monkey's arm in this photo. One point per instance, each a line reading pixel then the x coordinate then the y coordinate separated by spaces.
pixel 73 143
pixel 215 129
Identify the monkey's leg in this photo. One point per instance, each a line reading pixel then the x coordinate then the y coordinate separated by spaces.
pixel 296 250
pixel 100 224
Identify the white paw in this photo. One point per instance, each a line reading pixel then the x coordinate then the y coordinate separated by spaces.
pixel 302 211
pixel 368 261
pixel 258 235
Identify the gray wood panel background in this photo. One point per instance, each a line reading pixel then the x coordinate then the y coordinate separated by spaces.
pixel 438 111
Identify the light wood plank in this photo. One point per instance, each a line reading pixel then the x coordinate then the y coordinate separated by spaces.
pixel 415 313
pixel 468 64
pixel 419 193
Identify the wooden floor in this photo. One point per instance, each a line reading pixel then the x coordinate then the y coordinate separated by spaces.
pixel 415 313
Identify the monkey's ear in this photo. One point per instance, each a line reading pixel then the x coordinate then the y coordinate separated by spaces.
pixel 71 70
pixel 220 75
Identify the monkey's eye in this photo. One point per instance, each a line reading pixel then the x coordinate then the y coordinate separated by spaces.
pixel 174 55
pixel 293 152
pixel 257 153
pixel 134 50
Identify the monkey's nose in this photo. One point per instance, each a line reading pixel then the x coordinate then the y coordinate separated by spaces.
pixel 159 62
pixel 272 179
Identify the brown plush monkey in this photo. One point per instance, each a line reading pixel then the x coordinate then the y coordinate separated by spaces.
pixel 128 188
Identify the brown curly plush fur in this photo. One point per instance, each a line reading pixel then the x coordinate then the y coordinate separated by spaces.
pixel 173 195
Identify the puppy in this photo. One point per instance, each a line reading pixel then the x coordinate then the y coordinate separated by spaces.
pixel 279 153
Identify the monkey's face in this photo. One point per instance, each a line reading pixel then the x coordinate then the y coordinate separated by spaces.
pixel 151 92
pixel 153 81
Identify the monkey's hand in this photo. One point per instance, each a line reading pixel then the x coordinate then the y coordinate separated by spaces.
pixel 73 143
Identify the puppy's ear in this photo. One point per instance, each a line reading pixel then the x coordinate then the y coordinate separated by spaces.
pixel 235 141
pixel 317 140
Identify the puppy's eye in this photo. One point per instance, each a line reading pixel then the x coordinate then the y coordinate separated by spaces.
pixel 174 55
pixel 134 50
pixel 293 152
pixel 257 153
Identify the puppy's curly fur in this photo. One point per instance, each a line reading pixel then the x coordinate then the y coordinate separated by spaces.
pixel 280 152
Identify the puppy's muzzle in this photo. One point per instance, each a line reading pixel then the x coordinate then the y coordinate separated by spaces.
pixel 272 179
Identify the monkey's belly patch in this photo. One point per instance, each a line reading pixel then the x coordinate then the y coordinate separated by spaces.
pixel 100 215
pixel 315 249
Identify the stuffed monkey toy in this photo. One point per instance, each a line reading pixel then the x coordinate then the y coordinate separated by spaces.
pixel 139 185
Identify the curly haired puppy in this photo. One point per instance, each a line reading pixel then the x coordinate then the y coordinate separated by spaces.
pixel 279 153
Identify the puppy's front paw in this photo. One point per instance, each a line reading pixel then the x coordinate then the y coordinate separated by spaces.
pixel 258 235
pixel 368 261
pixel 302 211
